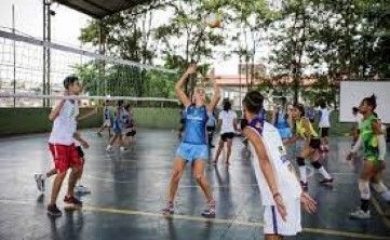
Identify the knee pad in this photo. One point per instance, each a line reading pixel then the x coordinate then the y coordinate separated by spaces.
pixel 300 161
pixel 316 164
pixel 364 188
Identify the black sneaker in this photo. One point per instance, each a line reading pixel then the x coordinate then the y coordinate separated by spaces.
pixel 53 210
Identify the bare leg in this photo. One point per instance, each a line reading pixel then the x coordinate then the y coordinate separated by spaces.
pixel 51 173
pixel 229 150
pixel 74 176
pixel 57 187
pixel 219 150
pixel 273 237
pixel 201 179
pixel 177 172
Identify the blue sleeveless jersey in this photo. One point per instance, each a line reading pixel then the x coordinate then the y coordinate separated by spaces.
pixel 195 122
pixel 281 121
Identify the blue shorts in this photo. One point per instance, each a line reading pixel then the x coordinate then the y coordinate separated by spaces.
pixel 192 152
pixel 117 128
pixel 285 133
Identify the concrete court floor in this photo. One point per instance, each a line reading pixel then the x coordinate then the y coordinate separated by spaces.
pixel 129 189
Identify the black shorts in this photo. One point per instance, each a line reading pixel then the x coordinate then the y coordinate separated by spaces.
pixel 315 143
pixel 324 132
pixel 210 129
pixel 131 133
pixel 226 136
pixel 80 151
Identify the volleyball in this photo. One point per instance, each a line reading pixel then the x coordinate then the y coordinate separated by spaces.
pixel 213 20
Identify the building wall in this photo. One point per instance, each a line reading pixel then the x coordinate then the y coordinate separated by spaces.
pixel 15 121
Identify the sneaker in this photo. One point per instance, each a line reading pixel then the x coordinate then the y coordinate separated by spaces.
pixel 109 148
pixel 122 149
pixel 53 210
pixel 80 189
pixel 360 214
pixel 210 212
pixel 169 210
pixel 304 186
pixel 325 181
pixel 73 202
pixel 40 182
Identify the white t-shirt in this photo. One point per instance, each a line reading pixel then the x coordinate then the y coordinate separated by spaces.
pixel 324 120
pixel 227 121
pixel 287 181
pixel 65 125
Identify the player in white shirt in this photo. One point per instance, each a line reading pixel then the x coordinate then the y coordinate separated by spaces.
pixel 324 125
pixel 62 147
pixel 279 187
pixel 227 119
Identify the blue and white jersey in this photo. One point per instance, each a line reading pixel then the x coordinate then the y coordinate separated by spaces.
pixel 287 182
pixel 106 113
pixel 195 122
pixel 281 120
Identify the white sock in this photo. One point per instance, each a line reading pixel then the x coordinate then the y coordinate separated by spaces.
pixel 302 172
pixel 324 172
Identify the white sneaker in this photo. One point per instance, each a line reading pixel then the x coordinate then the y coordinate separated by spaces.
pixel 82 189
pixel 360 214
pixel 123 149
pixel 109 148
pixel 40 182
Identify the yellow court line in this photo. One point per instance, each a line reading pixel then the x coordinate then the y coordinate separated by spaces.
pixel 233 222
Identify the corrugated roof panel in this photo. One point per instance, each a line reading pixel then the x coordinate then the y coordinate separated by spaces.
pixel 101 8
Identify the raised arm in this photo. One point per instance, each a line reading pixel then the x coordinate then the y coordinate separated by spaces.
pixel 183 98
pixel 56 110
pixel 216 95
pixel 266 168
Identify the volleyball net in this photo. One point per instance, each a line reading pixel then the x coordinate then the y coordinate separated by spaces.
pixel 32 73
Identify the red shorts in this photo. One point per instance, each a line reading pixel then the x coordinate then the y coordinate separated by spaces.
pixel 65 157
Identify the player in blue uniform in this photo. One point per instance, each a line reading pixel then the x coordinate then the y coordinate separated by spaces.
pixel 193 147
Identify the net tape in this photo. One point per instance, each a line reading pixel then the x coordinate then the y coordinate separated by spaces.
pixel 17 37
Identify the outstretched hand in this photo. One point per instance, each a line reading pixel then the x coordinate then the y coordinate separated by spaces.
pixel 309 204
pixel 281 207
